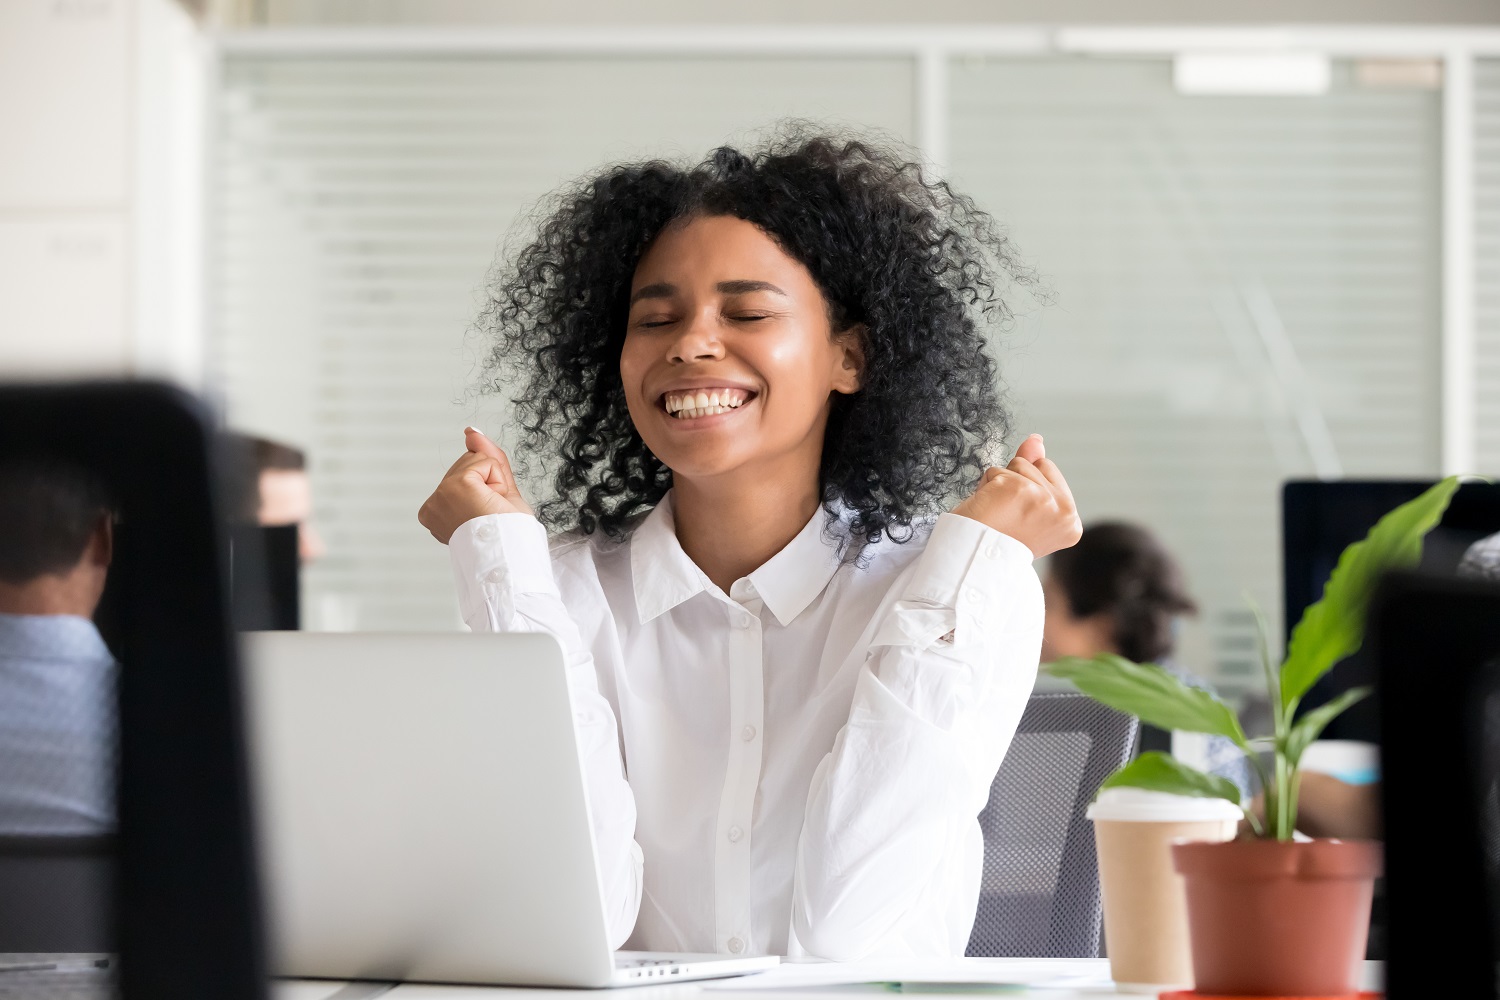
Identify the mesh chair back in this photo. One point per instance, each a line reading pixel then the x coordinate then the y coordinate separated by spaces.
pixel 1040 893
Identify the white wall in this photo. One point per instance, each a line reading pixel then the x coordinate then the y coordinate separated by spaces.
pixel 656 12
pixel 64 185
pixel 96 110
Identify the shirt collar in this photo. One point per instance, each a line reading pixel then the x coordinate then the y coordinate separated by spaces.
pixel 50 637
pixel 662 573
pixel 665 577
pixel 792 578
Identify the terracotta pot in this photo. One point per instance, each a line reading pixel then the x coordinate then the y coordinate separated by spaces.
pixel 1268 918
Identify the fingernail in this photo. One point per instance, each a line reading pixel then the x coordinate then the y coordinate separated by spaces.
pixel 476 430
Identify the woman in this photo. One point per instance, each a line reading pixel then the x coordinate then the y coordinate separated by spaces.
pixel 761 382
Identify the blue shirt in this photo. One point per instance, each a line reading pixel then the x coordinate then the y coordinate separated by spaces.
pixel 58 729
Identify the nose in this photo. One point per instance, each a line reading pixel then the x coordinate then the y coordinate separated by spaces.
pixel 698 341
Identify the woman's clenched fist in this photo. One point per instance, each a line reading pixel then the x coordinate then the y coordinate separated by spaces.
pixel 479 483
pixel 1028 500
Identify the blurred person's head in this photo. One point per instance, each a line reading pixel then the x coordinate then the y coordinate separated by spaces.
pixel 56 538
pixel 1117 591
pixel 284 492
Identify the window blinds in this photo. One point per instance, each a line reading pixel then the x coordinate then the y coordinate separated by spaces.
pixel 1487 262
pixel 1244 290
pixel 358 205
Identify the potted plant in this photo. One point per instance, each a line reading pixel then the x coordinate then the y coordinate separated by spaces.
pixel 1269 915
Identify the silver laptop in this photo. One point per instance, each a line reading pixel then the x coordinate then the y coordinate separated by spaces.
pixel 422 815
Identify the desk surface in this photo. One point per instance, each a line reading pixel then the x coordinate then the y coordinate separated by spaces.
pixel 1090 979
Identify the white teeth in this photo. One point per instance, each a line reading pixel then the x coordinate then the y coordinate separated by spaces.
pixel 689 412
pixel 688 405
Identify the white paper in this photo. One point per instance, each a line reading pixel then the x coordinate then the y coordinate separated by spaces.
pixel 1071 972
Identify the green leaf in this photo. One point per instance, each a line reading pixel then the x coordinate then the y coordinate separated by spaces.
pixel 1149 693
pixel 1161 772
pixel 1308 728
pixel 1334 626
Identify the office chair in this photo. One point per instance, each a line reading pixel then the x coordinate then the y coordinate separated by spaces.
pixel 59 893
pixel 1039 897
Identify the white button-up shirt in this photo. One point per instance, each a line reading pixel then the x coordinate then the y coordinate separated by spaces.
pixel 806 755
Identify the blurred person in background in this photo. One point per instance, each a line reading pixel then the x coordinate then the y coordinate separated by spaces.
pixel 57 678
pixel 1482 560
pixel 1120 591
pixel 283 492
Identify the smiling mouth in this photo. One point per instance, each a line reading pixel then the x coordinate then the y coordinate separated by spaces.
pixel 687 404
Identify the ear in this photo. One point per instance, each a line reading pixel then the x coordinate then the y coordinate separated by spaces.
pixel 101 547
pixel 848 377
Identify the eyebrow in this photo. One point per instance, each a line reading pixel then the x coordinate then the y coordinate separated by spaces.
pixel 741 287
pixel 665 290
pixel 660 290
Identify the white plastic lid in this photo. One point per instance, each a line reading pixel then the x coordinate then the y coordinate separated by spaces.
pixel 1137 805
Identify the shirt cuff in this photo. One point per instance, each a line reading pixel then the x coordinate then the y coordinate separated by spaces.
pixel 495 558
pixel 970 568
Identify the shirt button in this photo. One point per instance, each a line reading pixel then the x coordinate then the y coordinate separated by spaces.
pixel 747 734
pixel 992 550
pixel 743 621
pixel 485 531
pixel 974 596
pixel 495 576
pixel 735 833
pixel 736 945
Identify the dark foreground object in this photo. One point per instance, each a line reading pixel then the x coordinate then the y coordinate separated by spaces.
pixel 186 919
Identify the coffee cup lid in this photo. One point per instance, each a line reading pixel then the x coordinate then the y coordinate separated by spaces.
pixel 1137 805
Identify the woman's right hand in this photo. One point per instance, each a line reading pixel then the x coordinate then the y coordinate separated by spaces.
pixel 479 483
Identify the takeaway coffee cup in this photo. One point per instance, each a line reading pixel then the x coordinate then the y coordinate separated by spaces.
pixel 1145 906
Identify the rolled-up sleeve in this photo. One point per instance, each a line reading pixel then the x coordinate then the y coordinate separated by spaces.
pixel 504 574
pixel 892 813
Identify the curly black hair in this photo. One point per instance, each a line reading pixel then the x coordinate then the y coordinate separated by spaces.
pixel 912 262
pixel 1122 570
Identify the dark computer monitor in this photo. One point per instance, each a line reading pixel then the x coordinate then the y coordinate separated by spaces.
pixel 264 579
pixel 176 857
pixel 1320 519
pixel 1435 646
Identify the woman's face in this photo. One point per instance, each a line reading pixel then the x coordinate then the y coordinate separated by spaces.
pixel 729 363
pixel 1065 634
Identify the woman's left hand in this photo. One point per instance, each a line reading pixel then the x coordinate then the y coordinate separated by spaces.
pixel 1028 500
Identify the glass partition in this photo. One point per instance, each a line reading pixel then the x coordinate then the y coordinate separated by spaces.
pixel 1244 290
pixel 360 204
